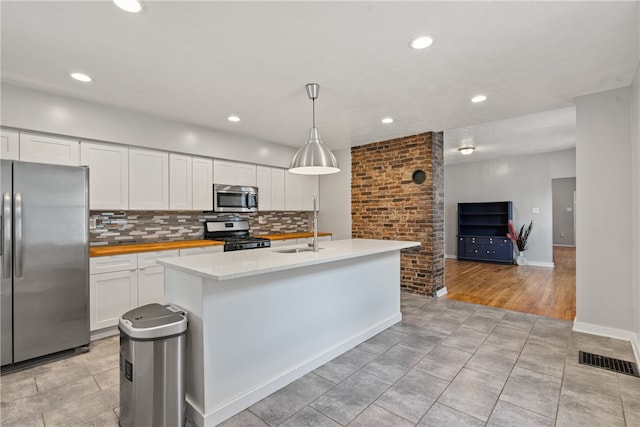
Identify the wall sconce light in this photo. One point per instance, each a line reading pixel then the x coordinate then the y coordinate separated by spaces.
pixel 466 150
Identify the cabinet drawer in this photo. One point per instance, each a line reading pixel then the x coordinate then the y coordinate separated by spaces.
pixel 107 264
pixel 148 259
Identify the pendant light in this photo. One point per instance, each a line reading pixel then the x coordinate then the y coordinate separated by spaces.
pixel 314 158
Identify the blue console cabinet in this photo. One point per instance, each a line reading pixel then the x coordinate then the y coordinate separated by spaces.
pixel 482 232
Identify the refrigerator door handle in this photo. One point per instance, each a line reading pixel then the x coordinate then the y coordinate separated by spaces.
pixel 18 235
pixel 6 235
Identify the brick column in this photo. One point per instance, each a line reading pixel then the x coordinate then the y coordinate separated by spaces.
pixel 387 204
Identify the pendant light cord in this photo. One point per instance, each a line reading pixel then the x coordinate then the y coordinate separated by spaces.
pixel 313 103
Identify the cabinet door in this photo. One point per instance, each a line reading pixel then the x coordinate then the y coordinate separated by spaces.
pixel 264 187
pixel 151 285
pixel 224 172
pixel 180 182
pixel 151 276
pixel 277 189
pixel 45 149
pixel 109 174
pixel 292 191
pixel 111 295
pixel 148 179
pixel 202 184
pixel 246 174
pixel 9 145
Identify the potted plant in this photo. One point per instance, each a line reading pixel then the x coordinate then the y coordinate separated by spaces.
pixel 520 240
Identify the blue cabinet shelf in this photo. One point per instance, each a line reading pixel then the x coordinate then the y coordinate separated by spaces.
pixel 482 232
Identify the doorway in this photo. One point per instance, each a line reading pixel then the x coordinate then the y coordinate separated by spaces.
pixel 563 205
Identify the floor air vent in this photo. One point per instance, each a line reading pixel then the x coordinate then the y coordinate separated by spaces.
pixel 609 363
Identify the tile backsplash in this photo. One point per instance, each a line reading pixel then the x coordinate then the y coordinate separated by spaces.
pixel 120 227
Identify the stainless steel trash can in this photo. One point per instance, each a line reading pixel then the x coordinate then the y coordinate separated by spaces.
pixel 152 366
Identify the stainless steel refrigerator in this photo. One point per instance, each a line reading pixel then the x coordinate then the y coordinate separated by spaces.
pixel 45 259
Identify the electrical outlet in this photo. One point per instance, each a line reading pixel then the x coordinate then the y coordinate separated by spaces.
pixel 561 235
pixel 92 224
pixel 535 210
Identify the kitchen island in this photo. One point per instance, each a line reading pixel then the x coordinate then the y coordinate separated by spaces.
pixel 261 319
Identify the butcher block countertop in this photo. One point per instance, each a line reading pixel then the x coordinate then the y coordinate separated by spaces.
pixel 96 251
pixel 149 247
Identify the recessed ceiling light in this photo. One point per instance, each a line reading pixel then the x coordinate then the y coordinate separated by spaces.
pixel 466 150
pixel 478 98
pixel 421 42
pixel 233 118
pixel 387 120
pixel 81 77
pixel 133 6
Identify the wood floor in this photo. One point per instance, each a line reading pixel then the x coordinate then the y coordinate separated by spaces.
pixel 537 290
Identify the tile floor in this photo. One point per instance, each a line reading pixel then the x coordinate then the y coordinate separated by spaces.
pixel 447 363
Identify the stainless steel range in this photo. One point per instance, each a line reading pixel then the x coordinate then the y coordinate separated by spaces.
pixel 234 234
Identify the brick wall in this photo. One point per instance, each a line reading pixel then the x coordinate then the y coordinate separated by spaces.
pixel 387 204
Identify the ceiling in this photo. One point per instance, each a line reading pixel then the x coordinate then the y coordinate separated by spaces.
pixel 199 62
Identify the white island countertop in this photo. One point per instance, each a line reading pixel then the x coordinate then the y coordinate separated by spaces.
pixel 236 264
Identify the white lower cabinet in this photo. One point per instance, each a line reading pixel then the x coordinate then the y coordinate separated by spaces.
pixel 120 283
pixel 151 276
pixel 113 289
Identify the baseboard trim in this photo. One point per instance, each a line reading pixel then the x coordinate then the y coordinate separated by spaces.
pixel 542 264
pixel 565 246
pixel 635 344
pixel 104 333
pixel 451 256
pixel 620 334
pixel 441 292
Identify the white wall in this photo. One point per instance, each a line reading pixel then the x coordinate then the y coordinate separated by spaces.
pixel 335 214
pixel 635 199
pixel 524 180
pixel 604 218
pixel 40 111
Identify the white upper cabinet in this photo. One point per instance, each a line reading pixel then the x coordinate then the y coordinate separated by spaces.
pixel 46 149
pixel 292 187
pixel 108 174
pixel 9 145
pixel 299 191
pixel 246 174
pixel 224 172
pixel 180 182
pixel 263 178
pixel 271 193
pixel 234 173
pixel 148 179
pixel 277 189
pixel 202 184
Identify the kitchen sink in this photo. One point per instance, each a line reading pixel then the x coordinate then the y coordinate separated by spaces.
pixel 294 250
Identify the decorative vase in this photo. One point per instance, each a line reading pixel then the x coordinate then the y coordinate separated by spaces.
pixel 521 259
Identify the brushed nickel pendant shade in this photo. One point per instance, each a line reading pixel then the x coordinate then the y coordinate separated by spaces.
pixel 314 158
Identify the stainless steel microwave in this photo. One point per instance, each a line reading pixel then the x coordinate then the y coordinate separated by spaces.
pixel 235 198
